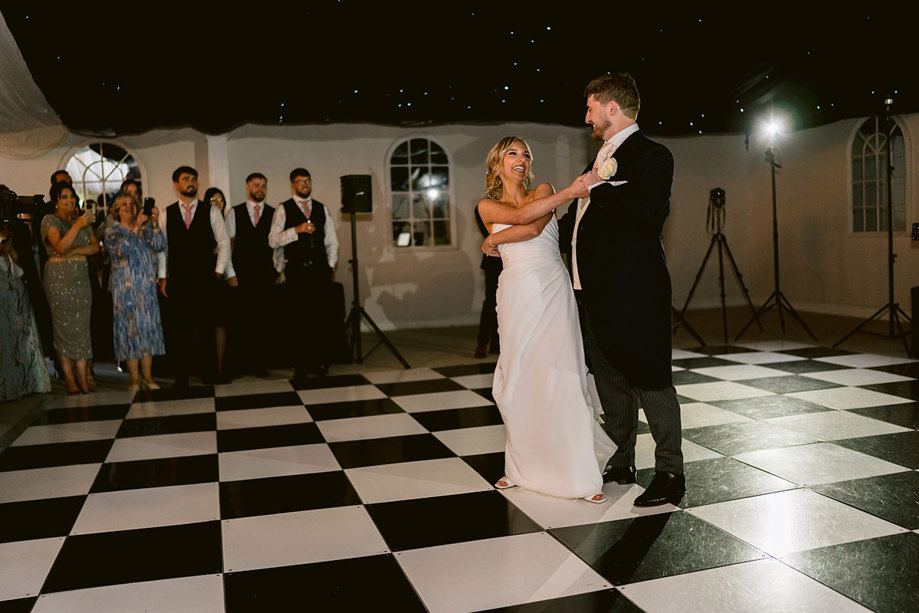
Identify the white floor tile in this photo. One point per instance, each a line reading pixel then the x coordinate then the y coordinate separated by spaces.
pixel 25 566
pixel 166 408
pixel 199 594
pixel 740 372
pixel 424 479
pixel 69 433
pixel 417 403
pixel 699 415
pixel 551 512
pixel 401 376
pixel 774 345
pixel 473 441
pixel 486 574
pixel 818 463
pixel 286 539
pixel 243 388
pixel 856 376
pixel 276 462
pixel 835 425
pixel 340 394
pixel 849 398
pixel 163 446
pixel 644 451
pixel 475 382
pixel 763 586
pixel 864 360
pixel 759 357
pixel 683 354
pixel 720 390
pixel 260 418
pixel 372 426
pixel 41 483
pixel 89 400
pixel 148 507
pixel 795 520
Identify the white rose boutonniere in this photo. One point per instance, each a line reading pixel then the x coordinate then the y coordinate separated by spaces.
pixel 608 169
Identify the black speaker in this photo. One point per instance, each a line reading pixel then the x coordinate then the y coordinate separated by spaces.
pixel 355 194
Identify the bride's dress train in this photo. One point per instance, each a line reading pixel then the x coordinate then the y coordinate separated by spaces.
pixel 555 444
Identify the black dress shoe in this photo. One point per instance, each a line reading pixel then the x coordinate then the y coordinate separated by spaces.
pixel 180 383
pixel 665 487
pixel 623 475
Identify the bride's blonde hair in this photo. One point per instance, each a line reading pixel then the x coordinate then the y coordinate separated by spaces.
pixel 495 159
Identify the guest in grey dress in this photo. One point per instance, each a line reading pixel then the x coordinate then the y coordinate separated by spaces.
pixel 66 281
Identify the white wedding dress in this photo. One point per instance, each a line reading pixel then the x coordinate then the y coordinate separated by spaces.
pixel 555 444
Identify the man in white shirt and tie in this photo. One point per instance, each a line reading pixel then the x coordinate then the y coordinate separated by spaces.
pixel 306 231
pixel 253 263
pixel 190 269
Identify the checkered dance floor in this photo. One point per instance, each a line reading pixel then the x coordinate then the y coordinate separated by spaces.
pixel 373 492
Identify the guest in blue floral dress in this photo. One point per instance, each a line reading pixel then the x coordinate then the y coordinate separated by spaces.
pixel 138 331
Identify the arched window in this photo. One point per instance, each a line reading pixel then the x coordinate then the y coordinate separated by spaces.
pixel 869 177
pixel 98 170
pixel 420 194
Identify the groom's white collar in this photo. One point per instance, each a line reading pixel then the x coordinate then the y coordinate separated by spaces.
pixel 620 136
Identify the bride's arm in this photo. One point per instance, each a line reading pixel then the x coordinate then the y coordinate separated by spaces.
pixel 514 234
pixel 546 201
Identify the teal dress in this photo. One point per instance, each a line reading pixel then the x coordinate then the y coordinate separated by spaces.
pixel 138 331
pixel 22 365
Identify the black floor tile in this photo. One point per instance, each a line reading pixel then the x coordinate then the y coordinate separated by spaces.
pixel 22 605
pixel 333 381
pixel 354 408
pixel 720 349
pixel 110 558
pixel 486 394
pixel 908 369
pixel 268 436
pixel 767 407
pixel 35 519
pixel 734 439
pixel 450 419
pixel 489 465
pixel 170 393
pixel 257 401
pixel 285 494
pixel 411 524
pixel 466 369
pixel 900 448
pixel 802 367
pixel 163 472
pixel 687 377
pixel 878 573
pixel 816 352
pixel 903 389
pixel 607 601
pixel 358 584
pixel 788 384
pixel 428 386
pixel 684 399
pixel 691 363
pixel 77 414
pixel 369 452
pixel 721 479
pixel 906 415
pixel 54 454
pixel 654 546
pixel 891 497
pixel 168 424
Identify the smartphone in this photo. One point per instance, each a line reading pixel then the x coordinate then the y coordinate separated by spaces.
pixel 149 203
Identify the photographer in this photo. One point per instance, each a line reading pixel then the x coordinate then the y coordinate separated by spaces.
pixel 22 365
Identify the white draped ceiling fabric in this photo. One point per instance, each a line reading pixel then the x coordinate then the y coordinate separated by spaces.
pixel 29 127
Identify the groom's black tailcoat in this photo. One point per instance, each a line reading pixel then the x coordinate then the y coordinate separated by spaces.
pixel 621 263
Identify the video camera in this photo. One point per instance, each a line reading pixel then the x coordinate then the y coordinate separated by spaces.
pixel 21 208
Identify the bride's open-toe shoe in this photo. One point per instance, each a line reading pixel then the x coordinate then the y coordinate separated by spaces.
pixel 599 498
pixel 504 483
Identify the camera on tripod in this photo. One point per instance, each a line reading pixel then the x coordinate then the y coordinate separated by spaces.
pixel 20 208
pixel 716 197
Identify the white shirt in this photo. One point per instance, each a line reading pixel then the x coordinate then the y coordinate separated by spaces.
pixel 617 139
pixel 218 226
pixel 278 237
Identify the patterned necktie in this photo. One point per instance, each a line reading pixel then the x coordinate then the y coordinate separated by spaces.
pixel 256 215
pixel 306 210
pixel 187 208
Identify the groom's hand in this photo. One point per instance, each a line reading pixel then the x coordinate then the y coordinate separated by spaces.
pixel 489 249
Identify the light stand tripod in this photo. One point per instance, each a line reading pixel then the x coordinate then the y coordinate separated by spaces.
pixel 715 221
pixel 892 308
pixel 353 323
pixel 777 299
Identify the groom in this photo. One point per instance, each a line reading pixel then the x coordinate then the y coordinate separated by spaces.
pixel 619 271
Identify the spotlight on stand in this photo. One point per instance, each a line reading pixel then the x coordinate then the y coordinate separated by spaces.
pixel 356 198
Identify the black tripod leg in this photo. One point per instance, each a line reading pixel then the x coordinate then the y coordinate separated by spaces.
pixel 766 306
pixel 692 289
pixel 689 328
pixel 353 323
pixel 743 287
pixel 383 338
pixel 902 334
pixel 794 313
pixel 860 326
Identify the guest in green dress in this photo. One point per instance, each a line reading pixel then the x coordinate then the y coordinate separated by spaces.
pixel 66 281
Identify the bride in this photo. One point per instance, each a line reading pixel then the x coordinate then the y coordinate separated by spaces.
pixel 555 444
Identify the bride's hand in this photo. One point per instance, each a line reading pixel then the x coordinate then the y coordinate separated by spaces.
pixel 580 189
pixel 488 248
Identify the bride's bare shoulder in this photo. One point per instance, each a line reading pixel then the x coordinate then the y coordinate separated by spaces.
pixel 541 191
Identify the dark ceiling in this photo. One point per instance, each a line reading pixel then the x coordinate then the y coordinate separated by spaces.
pixel 215 67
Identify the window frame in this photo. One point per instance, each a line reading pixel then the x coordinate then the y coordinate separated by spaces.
pixel 899 130
pixel 79 183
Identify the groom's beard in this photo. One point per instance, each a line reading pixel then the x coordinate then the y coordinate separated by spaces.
pixel 599 130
